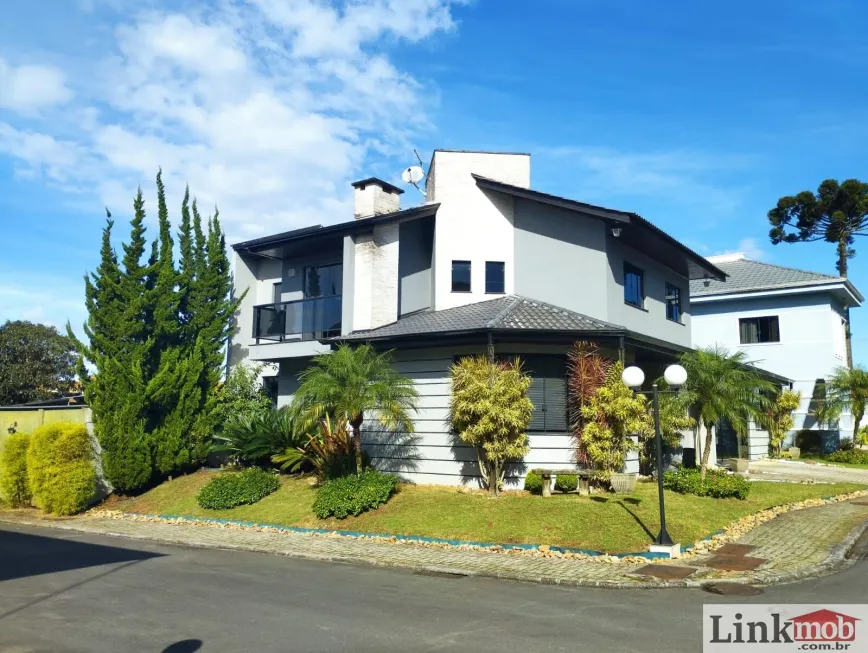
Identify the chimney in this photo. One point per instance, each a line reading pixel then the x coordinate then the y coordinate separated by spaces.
pixel 375 197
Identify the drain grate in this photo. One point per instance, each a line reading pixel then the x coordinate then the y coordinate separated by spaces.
pixel 732 589
pixel 440 574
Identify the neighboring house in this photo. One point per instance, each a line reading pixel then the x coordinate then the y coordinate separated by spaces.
pixel 484 264
pixel 790 322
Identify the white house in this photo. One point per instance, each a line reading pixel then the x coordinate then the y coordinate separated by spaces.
pixel 485 261
pixel 790 322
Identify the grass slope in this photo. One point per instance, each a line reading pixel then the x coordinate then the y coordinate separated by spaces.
pixel 606 523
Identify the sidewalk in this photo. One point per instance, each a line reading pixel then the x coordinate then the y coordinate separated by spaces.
pixel 795 545
pixel 786 470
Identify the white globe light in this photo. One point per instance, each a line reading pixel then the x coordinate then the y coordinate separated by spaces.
pixel 633 377
pixel 675 376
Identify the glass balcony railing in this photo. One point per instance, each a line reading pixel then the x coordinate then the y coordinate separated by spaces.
pixel 304 319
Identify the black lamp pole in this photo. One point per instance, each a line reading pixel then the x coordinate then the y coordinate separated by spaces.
pixel 663 537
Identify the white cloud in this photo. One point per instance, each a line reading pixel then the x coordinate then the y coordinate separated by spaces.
pixel 48 299
pixel 750 247
pixel 687 177
pixel 30 88
pixel 268 108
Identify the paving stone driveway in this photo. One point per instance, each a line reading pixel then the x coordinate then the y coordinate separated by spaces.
pixel 798 471
pixel 794 545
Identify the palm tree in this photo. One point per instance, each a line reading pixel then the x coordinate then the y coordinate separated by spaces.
pixel 351 382
pixel 846 389
pixel 721 385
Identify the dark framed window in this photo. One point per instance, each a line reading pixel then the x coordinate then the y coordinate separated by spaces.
pixel 494 277
pixel 673 303
pixel 460 276
pixel 634 286
pixel 752 330
pixel 276 294
pixel 323 280
pixel 548 392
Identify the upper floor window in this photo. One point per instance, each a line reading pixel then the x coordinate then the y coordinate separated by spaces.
pixel 323 280
pixel 276 294
pixel 759 329
pixel 460 276
pixel 673 303
pixel 494 274
pixel 634 286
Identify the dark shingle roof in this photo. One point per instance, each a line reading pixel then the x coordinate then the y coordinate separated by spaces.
pixel 746 275
pixel 511 312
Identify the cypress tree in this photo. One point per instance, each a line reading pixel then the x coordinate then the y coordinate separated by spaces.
pixel 116 392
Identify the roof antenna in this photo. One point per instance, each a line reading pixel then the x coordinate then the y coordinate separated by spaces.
pixel 414 174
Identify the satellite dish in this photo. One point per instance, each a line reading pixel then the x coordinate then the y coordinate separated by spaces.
pixel 412 175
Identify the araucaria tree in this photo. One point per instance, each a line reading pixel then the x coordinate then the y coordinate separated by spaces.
pixel 836 213
pixel 613 414
pixel 354 383
pixel 723 386
pixel 490 411
pixel 155 334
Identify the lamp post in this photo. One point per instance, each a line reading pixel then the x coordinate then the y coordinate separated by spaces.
pixel 675 377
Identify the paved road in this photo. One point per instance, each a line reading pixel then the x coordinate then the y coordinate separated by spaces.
pixel 62 591
pixel 800 471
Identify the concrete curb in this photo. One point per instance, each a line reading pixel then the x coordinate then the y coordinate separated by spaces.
pixel 837 560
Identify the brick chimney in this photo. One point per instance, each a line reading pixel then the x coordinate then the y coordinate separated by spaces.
pixel 374 196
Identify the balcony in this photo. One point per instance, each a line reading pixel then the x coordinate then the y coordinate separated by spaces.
pixel 300 320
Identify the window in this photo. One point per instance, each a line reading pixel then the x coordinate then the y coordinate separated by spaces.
pixel 759 329
pixel 323 280
pixel 276 295
pixel 634 286
pixel 460 276
pixel 494 277
pixel 673 303
pixel 548 392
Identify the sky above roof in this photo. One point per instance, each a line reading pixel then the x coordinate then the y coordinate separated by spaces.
pixel 688 114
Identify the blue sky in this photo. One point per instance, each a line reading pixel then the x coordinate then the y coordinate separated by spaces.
pixel 696 115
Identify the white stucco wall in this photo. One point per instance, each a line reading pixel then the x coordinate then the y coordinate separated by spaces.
pixel 811 345
pixel 473 224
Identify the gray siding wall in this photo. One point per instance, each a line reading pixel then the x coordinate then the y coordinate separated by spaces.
pixel 432 454
pixel 560 258
pixel 652 320
pixel 349 257
pixel 415 258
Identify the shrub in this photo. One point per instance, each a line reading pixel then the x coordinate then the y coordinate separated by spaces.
pixel 353 495
pixel 330 450
pixel 851 456
pixel 14 486
pixel 533 483
pixel 717 484
pixel 231 490
pixel 253 438
pixel 566 482
pixel 846 444
pixel 60 468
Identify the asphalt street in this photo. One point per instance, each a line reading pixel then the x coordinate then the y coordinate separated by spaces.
pixel 62 591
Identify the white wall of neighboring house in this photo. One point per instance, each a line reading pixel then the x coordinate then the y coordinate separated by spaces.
pixel 811 343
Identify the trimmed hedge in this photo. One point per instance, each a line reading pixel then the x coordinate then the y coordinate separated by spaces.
pixel 231 490
pixel 533 483
pixel 718 484
pixel 566 482
pixel 852 456
pixel 14 486
pixel 353 495
pixel 60 468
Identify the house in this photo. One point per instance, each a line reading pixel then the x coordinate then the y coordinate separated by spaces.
pixel 790 322
pixel 484 263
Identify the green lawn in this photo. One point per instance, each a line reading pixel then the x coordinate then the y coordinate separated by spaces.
pixel 606 523
pixel 823 459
